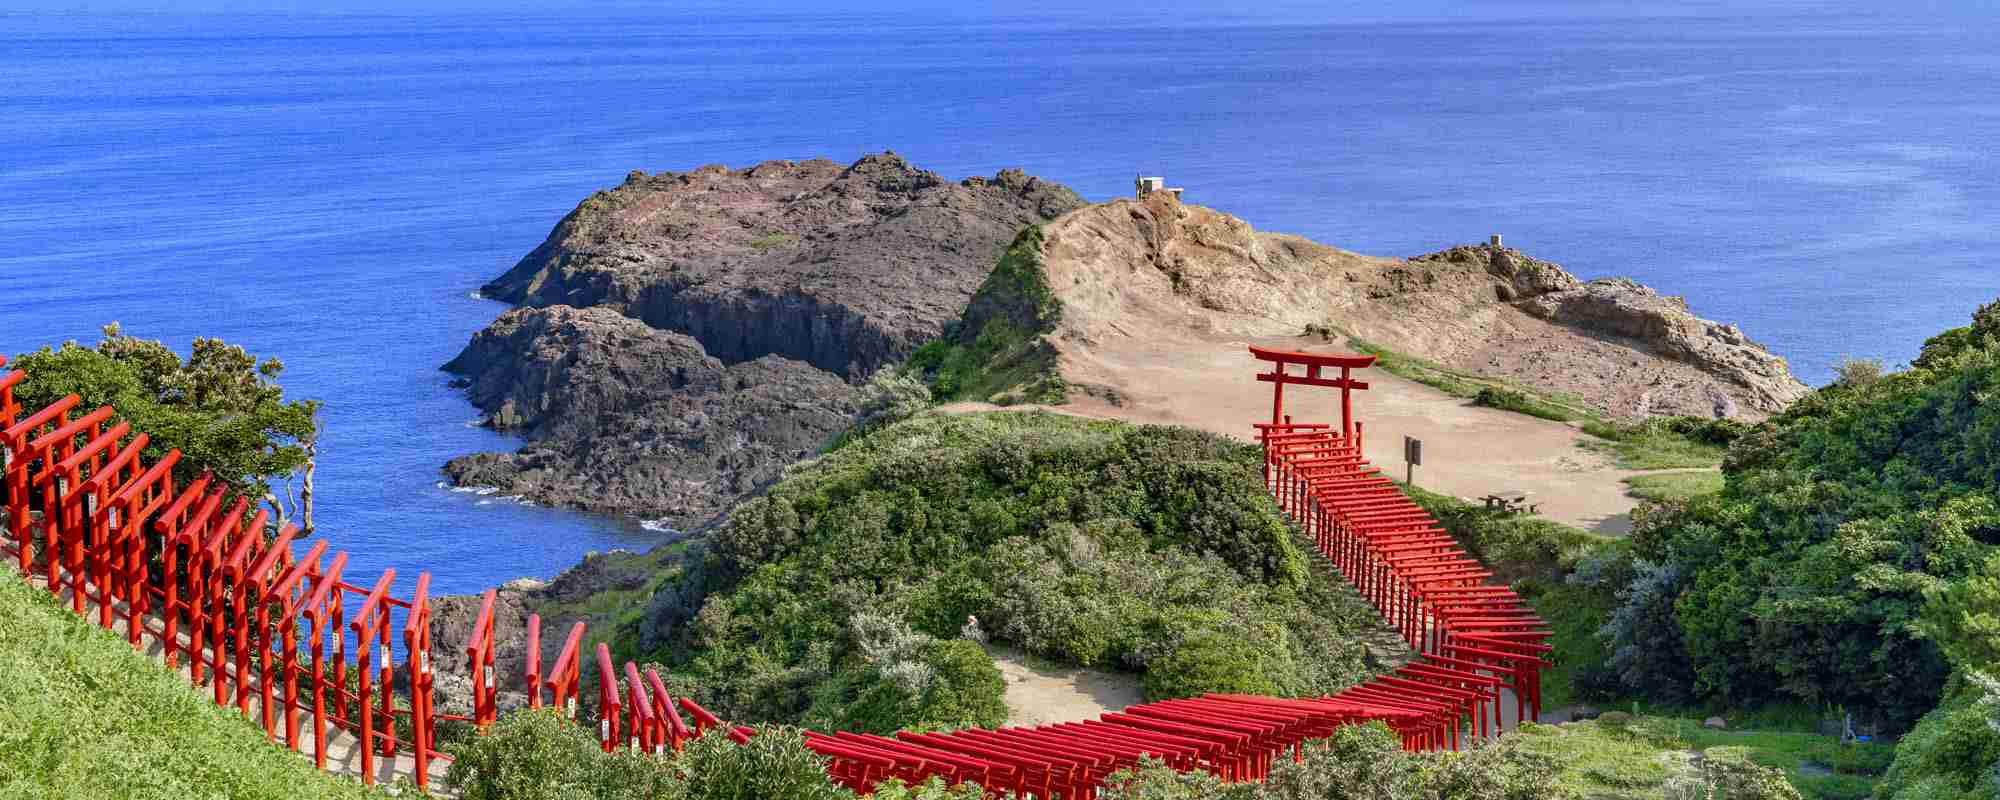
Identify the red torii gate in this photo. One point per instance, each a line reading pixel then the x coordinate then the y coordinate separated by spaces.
pixel 1279 376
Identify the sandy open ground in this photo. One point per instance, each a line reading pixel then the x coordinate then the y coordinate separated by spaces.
pixel 1469 451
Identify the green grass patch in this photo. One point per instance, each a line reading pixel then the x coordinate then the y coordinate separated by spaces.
pixel 770 240
pixel 995 352
pixel 1673 486
pixel 83 715
pixel 1523 403
pixel 1663 442
pixel 1656 443
pixel 1614 758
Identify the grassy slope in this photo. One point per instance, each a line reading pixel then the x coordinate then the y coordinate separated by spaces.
pixel 83 715
pixel 1635 759
pixel 995 352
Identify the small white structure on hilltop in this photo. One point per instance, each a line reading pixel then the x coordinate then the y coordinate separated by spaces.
pixel 1148 184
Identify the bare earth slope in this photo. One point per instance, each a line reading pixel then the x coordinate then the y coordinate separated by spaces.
pixel 1159 300
pixel 1158 271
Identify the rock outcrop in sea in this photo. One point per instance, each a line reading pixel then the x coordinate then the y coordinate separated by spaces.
pixel 684 336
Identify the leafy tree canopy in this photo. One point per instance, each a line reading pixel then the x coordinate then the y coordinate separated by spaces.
pixel 1843 519
pixel 221 406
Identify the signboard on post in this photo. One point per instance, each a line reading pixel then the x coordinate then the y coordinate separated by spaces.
pixel 1413 454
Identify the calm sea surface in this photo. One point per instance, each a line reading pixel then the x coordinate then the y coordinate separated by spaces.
pixel 332 190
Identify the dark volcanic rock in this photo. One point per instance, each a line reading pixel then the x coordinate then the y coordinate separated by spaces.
pixel 845 268
pixel 623 418
pixel 690 334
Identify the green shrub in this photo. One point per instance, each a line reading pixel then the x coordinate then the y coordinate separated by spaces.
pixel 538 753
pixel 909 680
pixel 527 755
pixel 775 765
pixel 1089 543
pixel 1209 661
pixel 1843 549
pixel 1152 780
pixel 1521 403
pixel 1953 751
pixel 933 789
pixel 1366 762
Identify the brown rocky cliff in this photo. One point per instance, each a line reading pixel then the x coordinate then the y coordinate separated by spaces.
pixel 1157 268
pixel 687 335
pixel 844 268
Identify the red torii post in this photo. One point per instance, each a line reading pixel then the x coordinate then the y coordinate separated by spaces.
pixel 1313 363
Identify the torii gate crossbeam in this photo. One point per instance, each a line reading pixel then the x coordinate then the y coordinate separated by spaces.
pixel 1313 363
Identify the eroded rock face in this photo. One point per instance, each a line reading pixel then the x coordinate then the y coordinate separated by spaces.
pixel 1156 269
pixel 687 335
pixel 844 268
pixel 623 418
pixel 1622 307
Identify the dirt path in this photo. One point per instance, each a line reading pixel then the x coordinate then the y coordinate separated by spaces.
pixel 1039 694
pixel 1469 451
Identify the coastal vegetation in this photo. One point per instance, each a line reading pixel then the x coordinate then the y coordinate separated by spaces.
pixel 1844 564
pixel 1617 757
pixel 842 597
pixel 539 755
pixel 1674 487
pixel 221 406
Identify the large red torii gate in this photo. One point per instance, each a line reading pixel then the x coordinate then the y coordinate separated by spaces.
pixel 1279 376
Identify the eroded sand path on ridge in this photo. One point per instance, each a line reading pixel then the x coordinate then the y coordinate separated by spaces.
pixel 1041 694
pixel 1469 451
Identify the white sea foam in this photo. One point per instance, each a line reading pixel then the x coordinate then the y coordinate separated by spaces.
pixel 657 526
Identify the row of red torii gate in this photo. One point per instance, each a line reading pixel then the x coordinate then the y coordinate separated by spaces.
pixel 271 626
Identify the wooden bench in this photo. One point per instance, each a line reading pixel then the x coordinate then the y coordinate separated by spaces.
pixel 1511 502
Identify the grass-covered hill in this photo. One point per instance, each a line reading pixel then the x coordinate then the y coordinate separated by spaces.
pixel 82 715
pixel 840 598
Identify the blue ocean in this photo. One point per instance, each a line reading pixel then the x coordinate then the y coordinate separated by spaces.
pixel 331 190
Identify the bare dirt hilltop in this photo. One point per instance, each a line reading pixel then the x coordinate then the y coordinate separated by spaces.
pixel 1158 271
pixel 1141 310
pixel 686 335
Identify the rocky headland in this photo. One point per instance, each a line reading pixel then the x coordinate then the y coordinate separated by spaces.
pixel 1142 273
pixel 683 337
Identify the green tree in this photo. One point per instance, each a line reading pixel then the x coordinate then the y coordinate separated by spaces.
pixel 1964 618
pixel 221 406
